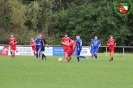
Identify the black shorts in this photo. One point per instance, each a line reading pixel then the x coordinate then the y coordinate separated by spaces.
pixel 43 48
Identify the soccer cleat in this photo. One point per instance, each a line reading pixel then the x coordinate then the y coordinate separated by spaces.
pixel 70 58
pixel 45 57
pixel 112 58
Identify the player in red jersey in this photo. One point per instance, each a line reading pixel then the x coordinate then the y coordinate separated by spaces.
pixel 33 45
pixel 111 43
pixel 66 40
pixel 12 42
pixel 70 51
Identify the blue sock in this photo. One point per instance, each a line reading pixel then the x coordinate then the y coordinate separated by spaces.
pixel 39 55
pixel 78 59
pixel 82 57
pixel 96 56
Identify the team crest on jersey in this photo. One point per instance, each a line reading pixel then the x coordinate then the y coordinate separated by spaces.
pixel 123 7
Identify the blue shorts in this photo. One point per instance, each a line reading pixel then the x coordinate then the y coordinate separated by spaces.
pixel 78 52
pixel 91 50
pixel 38 48
pixel 95 50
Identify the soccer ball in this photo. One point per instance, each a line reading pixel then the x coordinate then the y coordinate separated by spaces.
pixel 59 59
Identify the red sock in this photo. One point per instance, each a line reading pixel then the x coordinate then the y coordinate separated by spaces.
pixel 66 58
pixel 111 57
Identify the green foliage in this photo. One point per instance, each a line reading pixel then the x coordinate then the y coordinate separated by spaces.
pixel 90 19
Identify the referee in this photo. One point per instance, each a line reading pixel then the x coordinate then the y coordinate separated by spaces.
pixel 43 43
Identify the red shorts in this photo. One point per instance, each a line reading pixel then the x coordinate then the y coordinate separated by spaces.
pixel 70 52
pixel 13 47
pixel 65 48
pixel 111 49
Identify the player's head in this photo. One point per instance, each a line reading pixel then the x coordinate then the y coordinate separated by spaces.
pixel 32 38
pixel 95 37
pixel 91 39
pixel 40 35
pixel 12 36
pixel 111 36
pixel 77 37
pixel 66 35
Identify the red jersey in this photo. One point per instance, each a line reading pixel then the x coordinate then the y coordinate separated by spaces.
pixel 72 46
pixel 12 42
pixel 111 43
pixel 32 43
pixel 66 40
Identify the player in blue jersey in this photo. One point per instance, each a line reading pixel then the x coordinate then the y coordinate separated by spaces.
pixel 95 46
pixel 91 48
pixel 79 48
pixel 38 42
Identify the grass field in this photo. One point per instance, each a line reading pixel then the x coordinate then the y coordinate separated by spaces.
pixel 26 72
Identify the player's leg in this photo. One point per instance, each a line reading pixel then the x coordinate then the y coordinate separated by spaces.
pixel 96 52
pixel 82 56
pixel 70 54
pixel 78 54
pixel 42 52
pixel 34 51
pixel 91 52
pixel 66 57
pixel 37 53
pixel 111 54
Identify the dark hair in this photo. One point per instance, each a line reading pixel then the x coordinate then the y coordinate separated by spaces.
pixel 111 35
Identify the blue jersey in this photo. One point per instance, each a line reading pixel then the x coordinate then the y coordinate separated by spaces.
pixel 79 44
pixel 38 41
pixel 95 43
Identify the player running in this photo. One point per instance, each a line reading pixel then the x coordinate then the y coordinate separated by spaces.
pixel 70 51
pixel 79 48
pixel 43 43
pixel 111 43
pixel 12 42
pixel 33 45
pixel 38 41
pixel 95 47
pixel 66 40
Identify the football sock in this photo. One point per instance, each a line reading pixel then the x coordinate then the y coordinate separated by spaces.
pixel 82 57
pixel 37 55
pixel 67 59
pixel 96 56
pixel 42 56
pixel 78 59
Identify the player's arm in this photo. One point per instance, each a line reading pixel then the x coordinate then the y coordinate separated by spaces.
pixel 99 43
pixel 62 41
pixel 108 43
pixel 45 42
pixel 115 43
pixel 15 41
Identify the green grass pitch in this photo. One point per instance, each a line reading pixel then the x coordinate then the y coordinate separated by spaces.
pixel 26 72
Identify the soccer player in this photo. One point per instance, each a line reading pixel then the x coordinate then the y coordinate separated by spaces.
pixel 66 40
pixel 95 47
pixel 43 43
pixel 70 51
pixel 111 43
pixel 12 42
pixel 91 48
pixel 33 45
pixel 79 48
pixel 38 41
